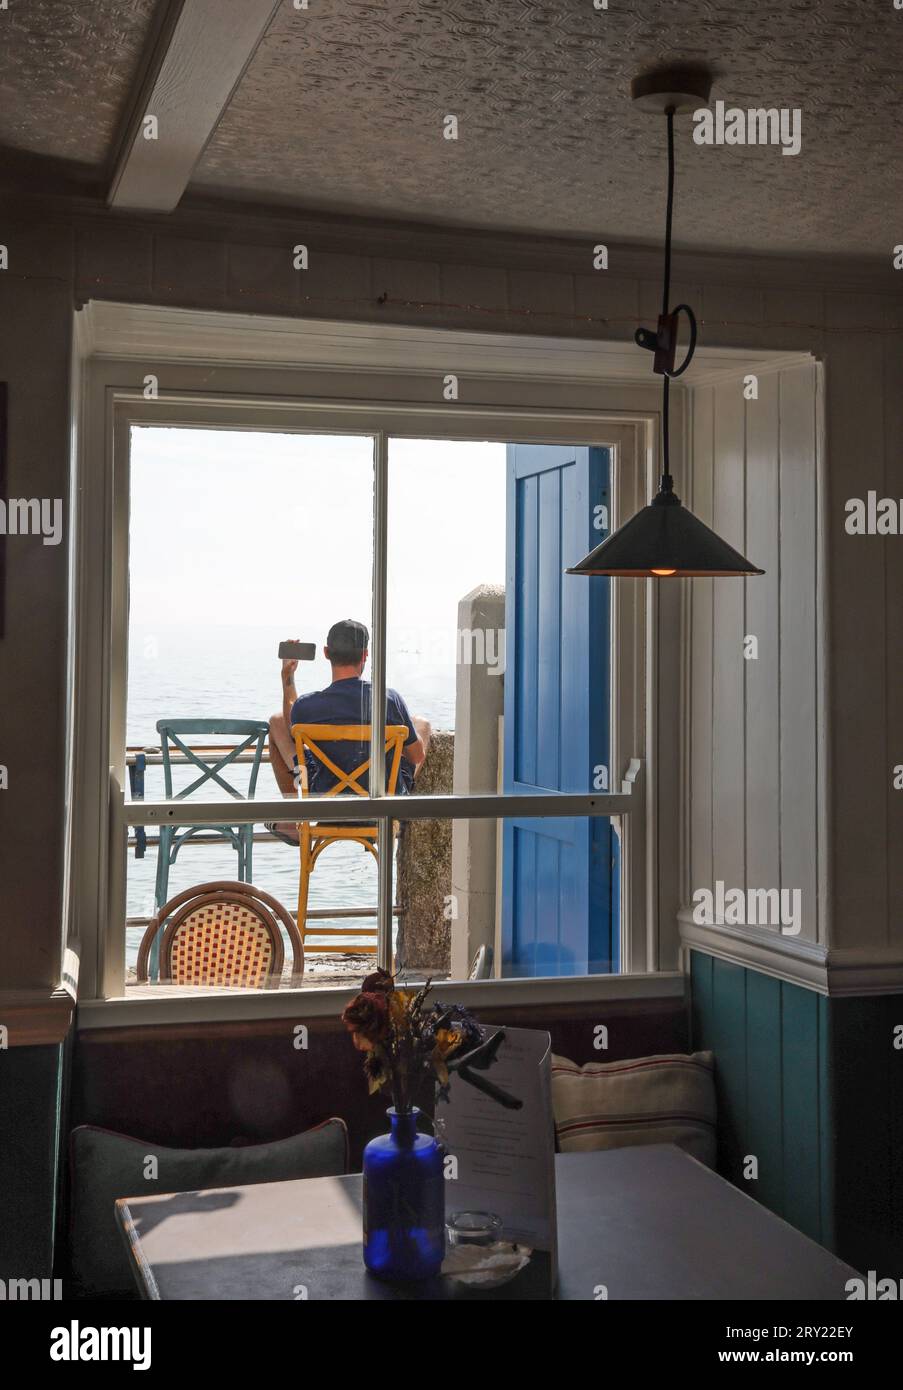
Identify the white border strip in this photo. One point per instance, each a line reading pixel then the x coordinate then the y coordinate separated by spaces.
pixel 193 335
pixel 301 1004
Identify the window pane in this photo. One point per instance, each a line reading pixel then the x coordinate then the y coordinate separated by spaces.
pixel 489 899
pixel 524 898
pixel 445 651
pixel 489 640
pixel 238 540
pixel 509 659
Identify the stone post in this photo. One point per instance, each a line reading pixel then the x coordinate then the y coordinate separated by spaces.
pixel 423 868
pixel 478 711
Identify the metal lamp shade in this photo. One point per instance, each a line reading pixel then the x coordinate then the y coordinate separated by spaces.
pixel 662 541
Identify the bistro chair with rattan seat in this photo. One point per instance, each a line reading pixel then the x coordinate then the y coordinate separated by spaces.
pixel 222 933
pixel 315 837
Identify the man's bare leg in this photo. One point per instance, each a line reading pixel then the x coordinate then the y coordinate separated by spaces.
pixel 424 732
pixel 282 753
pixel 282 761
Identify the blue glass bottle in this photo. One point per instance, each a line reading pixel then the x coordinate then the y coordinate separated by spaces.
pixel 404 1201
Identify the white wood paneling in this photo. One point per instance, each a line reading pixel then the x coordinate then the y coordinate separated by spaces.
pixel 798 673
pixel 763 675
pixel 700 681
pixel 754 725
pixel 728 725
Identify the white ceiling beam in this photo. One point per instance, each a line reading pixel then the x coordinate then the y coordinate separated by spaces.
pixel 201 53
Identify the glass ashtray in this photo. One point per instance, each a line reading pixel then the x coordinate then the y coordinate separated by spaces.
pixel 474 1228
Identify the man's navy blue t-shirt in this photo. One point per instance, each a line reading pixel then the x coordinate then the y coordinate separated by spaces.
pixel 348 702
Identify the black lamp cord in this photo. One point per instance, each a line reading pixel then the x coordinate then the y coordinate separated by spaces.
pixel 669 215
pixel 667 483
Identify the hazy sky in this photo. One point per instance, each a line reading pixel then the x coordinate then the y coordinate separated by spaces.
pixel 229 526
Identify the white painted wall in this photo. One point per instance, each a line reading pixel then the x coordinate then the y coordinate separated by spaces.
pixel 791 758
pixel 754 726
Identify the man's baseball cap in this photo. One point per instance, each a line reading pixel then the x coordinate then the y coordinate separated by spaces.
pixel 347 638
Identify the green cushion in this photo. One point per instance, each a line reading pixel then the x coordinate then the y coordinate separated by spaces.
pixel 105 1166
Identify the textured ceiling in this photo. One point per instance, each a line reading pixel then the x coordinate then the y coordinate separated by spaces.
pixel 342 107
pixel 66 73
pixel 341 111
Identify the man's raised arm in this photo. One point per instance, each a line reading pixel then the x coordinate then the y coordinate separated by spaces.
pixel 289 693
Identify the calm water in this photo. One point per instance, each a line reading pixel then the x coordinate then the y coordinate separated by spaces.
pixel 233 673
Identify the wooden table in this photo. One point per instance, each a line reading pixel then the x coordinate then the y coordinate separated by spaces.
pixel 645 1223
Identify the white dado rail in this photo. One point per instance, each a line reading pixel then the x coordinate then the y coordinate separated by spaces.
pixel 835 971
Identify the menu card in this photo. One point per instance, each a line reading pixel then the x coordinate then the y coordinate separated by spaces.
pixel 500 1193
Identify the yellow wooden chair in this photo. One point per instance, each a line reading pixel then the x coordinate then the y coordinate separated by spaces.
pixel 314 837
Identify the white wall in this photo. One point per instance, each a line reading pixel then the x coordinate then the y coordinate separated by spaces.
pixel 756 771
pixel 791 757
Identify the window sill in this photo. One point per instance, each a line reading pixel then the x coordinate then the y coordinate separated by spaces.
pixel 197 1006
pixel 36 1017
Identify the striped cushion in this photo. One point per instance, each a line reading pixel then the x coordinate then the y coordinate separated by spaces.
pixel 668 1099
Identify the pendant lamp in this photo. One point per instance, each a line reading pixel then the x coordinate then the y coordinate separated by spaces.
pixel 665 540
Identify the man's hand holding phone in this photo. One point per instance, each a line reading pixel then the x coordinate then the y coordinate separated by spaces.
pixel 291 652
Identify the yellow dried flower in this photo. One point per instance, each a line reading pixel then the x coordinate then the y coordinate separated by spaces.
pixel 448 1040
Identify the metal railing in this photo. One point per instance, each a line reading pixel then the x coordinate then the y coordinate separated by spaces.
pixel 334 810
pixel 484 806
pixel 379 810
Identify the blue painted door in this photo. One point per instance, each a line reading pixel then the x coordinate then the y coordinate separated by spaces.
pixel 559 876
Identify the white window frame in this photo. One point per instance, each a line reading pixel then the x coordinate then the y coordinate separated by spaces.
pixel 293 375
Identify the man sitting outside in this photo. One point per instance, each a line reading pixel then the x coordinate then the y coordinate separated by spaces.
pixel 346 701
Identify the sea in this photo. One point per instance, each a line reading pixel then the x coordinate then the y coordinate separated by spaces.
pixel 233 672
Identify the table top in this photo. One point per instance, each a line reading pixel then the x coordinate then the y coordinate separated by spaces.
pixel 647 1222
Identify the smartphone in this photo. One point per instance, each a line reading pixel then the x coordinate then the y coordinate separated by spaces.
pixel 297 651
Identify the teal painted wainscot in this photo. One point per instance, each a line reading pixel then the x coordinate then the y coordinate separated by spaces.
pixel 30 1098
pixel 811 1087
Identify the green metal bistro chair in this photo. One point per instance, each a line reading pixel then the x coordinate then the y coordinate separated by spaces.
pixel 175 734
